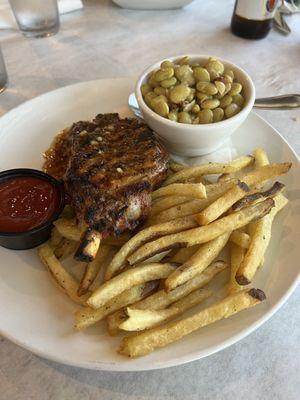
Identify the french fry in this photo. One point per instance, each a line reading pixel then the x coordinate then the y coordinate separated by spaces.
pixel 259 243
pixel 256 196
pixel 164 203
pixel 182 255
pixel 125 280
pixel 260 158
pixel 175 167
pixel 225 177
pixel 223 203
pixel 194 190
pixel 65 248
pixel 139 320
pixel 211 168
pixel 204 233
pixel 237 254
pixel 88 316
pixel 191 207
pixel 242 239
pixel 163 299
pixel 198 262
pixel 150 233
pixel 68 228
pixel 145 342
pixel 92 269
pixel 55 238
pixel 63 279
pixel 68 212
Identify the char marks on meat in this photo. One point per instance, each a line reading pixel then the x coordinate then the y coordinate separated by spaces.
pixel 113 165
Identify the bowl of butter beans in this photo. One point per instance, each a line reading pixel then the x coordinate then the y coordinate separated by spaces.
pixel 194 103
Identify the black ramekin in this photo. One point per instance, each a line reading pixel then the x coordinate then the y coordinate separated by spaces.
pixel 39 234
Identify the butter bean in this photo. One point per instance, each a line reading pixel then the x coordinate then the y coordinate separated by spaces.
pixel 225 101
pixel 163 74
pixel 179 93
pixel 184 117
pixel 160 105
pixel 238 99
pixel 236 88
pixel 231 110
pixel 201 74
pixel 145 88
pixel 168 82
pixel 218 114
pixel 205 116
pixel 210 104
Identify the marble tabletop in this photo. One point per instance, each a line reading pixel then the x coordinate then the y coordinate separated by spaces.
pixel 103 41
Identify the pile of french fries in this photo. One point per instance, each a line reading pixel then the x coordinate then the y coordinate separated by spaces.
pixel 152 278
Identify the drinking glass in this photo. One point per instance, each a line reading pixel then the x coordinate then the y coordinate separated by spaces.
pixel 36 18
pixel 3 74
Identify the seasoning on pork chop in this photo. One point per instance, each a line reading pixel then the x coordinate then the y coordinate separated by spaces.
pixel 111 167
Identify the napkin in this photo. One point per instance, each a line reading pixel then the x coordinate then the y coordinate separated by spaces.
pixel 7 19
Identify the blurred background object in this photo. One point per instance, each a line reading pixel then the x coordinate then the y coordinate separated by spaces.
pixel 7 19
pixel 36 18
pixel 287 7
pixel 253 19
pixel 152 4
pixel 3 73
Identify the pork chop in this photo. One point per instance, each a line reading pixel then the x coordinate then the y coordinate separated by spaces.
pixel 111 165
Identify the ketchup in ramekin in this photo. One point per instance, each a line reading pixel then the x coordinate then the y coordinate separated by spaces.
pixel 30 200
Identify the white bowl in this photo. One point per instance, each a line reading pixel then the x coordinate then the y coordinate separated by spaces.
pixel 196 140
pixel 152 4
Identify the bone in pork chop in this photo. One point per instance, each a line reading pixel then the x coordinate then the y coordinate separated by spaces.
pixel 111 165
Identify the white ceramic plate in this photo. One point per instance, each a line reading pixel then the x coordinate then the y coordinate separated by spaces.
pixel 35 315
pixel 152 4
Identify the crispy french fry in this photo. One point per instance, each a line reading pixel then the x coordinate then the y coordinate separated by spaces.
pixel 164 203
pixel 65 248
pixel 139 320
pixel 175 167
pixel 125 280
pixel 242 239
pixel 203 234
pixel 63 279
pixel 191 207
pixel 198 262
pixel 68 228
pixel 211 168
pixel 259 243
pixel 225 177
pixel 182 255
pixel 88 316
pixel 145 342
pixel 257 196
pixel 194 190
pixel 68 212
pixel 150 233
pixel 260 158
pixel 237 254
pixel 92 269
pixel 223 203
pixel 55 238
pixel 163 299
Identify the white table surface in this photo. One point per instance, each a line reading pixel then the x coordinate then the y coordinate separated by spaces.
pixel 104 41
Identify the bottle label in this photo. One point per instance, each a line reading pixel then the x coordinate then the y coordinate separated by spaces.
pixel 258 10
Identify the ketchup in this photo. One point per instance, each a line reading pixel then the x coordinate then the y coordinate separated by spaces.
pixel 26 203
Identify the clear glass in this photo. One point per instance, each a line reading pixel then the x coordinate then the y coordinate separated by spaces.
pixel 36 18
pixel 3 73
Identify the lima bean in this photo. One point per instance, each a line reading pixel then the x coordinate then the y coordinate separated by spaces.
pixel 179 93
pixel 205 116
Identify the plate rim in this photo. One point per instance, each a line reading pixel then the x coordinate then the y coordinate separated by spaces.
pixel 189 357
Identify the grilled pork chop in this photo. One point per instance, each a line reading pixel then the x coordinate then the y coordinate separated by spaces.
pixel 109 167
